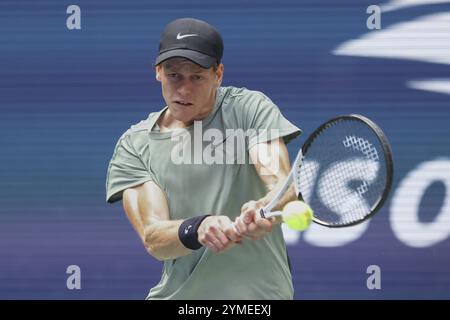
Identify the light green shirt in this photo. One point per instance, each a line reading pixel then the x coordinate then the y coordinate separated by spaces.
pixel 254 270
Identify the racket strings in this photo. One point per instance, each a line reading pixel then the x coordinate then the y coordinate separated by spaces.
pixel 343 173
pixel 362 145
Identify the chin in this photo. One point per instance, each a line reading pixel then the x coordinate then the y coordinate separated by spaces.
pixel 182 116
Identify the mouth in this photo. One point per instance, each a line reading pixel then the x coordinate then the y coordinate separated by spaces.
pixel 182 103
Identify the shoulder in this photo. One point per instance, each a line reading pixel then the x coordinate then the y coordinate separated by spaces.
pixel 137 133
pixel 243 101
pixel 241 105
pixel 240 97
pixel 142 127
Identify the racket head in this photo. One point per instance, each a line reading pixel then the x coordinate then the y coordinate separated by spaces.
pixel 346 171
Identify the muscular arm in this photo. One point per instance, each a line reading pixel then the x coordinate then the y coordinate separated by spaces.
pixel 148 212
pixel 271 160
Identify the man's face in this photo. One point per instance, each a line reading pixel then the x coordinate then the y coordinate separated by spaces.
pixel 188 89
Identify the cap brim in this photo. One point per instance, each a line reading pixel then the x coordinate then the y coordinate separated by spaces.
pixel 199 58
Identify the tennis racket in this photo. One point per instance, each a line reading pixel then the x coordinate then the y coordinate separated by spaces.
pixel 343 172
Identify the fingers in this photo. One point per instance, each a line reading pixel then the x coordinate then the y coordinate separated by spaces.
pixel 264 224
pixel 246 205
pixel 240 226
pixel 211 246
pixel 248 216
pixel 233 234
pixel 254 230
pixel 217 234
pixel 250 224
pixel 229 230
pixel 249 211
pixel 217 238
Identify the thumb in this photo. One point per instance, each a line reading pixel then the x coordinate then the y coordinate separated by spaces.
pixel 248 216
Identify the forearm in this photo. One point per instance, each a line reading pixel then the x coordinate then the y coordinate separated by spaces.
pixel 273 170
pixel 147 210
pixel 288 196
pixel 162 242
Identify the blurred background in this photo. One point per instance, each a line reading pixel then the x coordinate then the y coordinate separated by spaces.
pixel 66 96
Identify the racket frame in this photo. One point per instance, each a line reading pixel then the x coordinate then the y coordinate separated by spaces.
pixel 265 212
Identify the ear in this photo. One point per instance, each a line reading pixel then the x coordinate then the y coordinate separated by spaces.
pixel 158 73
pixel 219 74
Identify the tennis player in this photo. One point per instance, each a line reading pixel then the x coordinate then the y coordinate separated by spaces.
pixel 185 211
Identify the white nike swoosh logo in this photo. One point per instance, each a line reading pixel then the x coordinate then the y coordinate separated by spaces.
pixel 179 36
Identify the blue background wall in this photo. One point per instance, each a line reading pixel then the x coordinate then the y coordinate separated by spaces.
pixel 66 96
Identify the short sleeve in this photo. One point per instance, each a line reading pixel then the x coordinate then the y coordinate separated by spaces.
pixel 265 121
pixel 126 169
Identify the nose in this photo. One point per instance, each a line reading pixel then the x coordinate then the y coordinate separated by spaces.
pixel 185 88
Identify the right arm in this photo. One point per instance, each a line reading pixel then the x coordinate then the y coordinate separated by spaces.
pixel 147 209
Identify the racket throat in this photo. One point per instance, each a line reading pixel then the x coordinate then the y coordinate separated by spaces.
pixel 262 213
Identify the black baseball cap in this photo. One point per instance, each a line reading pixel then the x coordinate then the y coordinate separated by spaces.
pixel 192 39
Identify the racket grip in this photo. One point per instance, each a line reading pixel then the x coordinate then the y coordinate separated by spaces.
pixel 271 214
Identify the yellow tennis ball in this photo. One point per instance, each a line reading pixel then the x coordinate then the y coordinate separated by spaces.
pixel 297 215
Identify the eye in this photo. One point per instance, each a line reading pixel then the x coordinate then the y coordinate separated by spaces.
pixel 197 77
pixel 172 75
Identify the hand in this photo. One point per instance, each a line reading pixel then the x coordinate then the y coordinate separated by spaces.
pixel 217 233
pixel 250 224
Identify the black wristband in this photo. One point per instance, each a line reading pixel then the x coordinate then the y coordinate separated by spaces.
pixel 188 232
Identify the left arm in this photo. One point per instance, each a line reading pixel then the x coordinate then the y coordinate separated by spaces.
pixel 271 160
